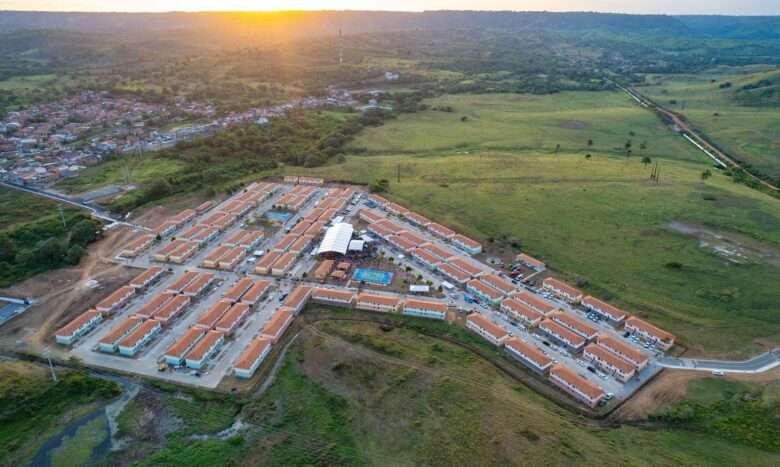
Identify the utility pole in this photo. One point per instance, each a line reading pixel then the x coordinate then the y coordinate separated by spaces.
pixel 62 217
pixel 47 354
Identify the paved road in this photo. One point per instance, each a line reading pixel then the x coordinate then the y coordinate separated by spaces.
pixel 96 212
pixel 693 136
pixel 758 364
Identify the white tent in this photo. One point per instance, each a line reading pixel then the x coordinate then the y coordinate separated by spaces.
pixel 336 239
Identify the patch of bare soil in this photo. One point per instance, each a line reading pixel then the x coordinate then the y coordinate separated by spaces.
pixel 63 294
pixel 671 386
pixel 732 246
pixel 666 389
pixel 155 215
pixel 574 125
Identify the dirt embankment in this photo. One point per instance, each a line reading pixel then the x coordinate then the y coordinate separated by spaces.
pixel 670 387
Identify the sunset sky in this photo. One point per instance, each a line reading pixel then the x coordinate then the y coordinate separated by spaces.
pixel 737 7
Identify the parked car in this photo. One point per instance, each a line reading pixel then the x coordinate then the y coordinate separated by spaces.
pixel 592 370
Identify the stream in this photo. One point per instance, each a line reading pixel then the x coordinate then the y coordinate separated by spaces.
pixel 107 442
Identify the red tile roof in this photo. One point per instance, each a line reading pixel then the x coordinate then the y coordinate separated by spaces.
pixel 654 331
pixel 612 359
pixel 490 292
pixel 76 324
pixel 184 343
pixel 492 328
pixel 576 324
pixel 385 300
pixel 531 352
pixel 572 337
pixel 585 386
pixel 255 348
pixel 535 302
pixel 616 313
pixel 419 303
pixel 333 294
pixel 204 345
pixel 622 348
pixel 119 331
pixel 562 286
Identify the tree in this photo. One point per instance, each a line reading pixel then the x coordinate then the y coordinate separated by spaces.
pixel 706 174
pixel 83 233
pixel 379 186
pixel 646 161
pixel 48 252
pixel 590 142
pixel 7 248
pixel 74 254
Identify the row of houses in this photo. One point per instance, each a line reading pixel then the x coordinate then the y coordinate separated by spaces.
pixel 253 356
pixel 137 246
pixel 460 269
pixel 281 259
pixel 381 302
pixel 194 348
pixel 460 241
pixel 224 257
pixel 260 346
pixel 644 330
pixel 174 223
pixel 177 251
pixel 295 199
pixel 88 320
pixel 537 360
pixel 295 179
pixel 133 334
pixel 215 325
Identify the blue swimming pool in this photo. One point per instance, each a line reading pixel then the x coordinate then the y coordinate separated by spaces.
pixel 278 216
pixel 373 276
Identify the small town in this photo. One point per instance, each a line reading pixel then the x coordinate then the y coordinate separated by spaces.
pixel 51 141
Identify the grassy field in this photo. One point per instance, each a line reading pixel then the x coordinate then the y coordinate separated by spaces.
pixel 352 393
pixel 17 208
pixel 751 132
pixel 520 122
pixel 604 222
pixel 114 172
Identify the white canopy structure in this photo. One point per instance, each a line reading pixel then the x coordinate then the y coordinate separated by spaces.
pixel 336 239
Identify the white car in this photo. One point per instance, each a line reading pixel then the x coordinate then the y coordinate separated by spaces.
pixel 718 373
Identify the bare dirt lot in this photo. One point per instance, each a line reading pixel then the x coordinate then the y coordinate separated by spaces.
pixel 62 294
pixel 671 386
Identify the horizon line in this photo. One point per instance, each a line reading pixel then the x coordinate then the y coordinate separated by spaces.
pixel 140 12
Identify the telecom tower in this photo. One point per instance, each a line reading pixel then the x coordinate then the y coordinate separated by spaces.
pixel 341 50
